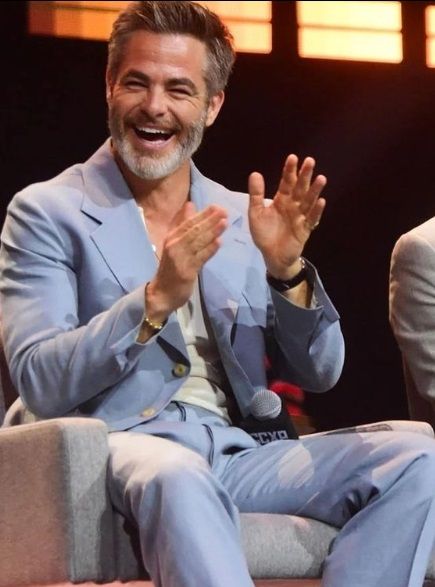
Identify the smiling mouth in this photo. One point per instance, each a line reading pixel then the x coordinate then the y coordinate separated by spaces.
pixel 153 135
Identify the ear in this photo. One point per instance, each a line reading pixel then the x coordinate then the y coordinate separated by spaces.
pixel 214 106
pixel 109 86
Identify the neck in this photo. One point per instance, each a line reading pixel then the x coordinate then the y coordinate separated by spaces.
pixel 162 198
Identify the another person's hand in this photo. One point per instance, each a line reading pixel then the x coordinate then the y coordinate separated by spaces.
pixel 281 229
pixel 187 247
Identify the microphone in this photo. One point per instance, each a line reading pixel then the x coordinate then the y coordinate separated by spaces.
pixel 268 419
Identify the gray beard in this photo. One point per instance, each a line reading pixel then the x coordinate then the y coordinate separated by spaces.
pixel 149 168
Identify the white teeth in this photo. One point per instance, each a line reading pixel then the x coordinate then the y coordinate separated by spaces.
pixel 154 131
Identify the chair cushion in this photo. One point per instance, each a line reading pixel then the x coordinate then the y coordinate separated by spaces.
pixel 278 545
pixel 275 545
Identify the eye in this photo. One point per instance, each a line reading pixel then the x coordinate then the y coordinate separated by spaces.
pixel 134 84
pixel 181 91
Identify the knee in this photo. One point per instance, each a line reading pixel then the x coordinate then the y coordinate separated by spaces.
pixel 424 448
pixel 175 465
pixel 176 478
pixel 179 466
pixel 172 487
pixel 411 443
pixel 412 455
pixel 143 468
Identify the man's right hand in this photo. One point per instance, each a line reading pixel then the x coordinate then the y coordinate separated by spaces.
pixel 192 241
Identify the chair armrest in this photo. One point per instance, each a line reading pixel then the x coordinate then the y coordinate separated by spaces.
pixel 55 515
pixel 385 425
pixel 17 413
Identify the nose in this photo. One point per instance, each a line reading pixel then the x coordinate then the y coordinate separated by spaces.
pixel 154 103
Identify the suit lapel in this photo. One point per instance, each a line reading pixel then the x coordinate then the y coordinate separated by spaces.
pixel 124 244
pixel 223 279
pixel 120 235
pixel 223 276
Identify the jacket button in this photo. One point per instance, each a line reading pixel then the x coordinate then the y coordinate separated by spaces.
pixel 148 412
pixel 179 370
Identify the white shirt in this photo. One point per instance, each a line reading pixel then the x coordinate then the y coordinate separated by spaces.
pixel 206 382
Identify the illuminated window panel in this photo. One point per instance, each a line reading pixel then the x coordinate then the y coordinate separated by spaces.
pixel 72 19
pixel 97 4
pixel 350 45
pixel 261 11
pixel 357 31
pixel 430 36
pixel 358 15
pixel 249 22
pixel 430 52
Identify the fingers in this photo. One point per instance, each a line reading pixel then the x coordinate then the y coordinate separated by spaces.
pixel 187 211
pixel 203 234
pixel 256 190
pixel 209 215
pixel 294 183
pixel 204 226
pixel 299 186
pixel 310 196
pixel 305 175
pixel 289 176
pixel 312 219
pixel 196 238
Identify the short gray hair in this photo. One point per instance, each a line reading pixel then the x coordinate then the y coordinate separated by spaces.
pixel 177 17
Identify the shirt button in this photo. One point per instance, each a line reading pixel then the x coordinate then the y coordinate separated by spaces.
pixel 179 370
pixel 148 412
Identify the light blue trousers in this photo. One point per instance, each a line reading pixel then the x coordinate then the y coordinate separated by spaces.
pixel 184 477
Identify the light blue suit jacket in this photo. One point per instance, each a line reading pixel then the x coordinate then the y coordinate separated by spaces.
pixel 74 260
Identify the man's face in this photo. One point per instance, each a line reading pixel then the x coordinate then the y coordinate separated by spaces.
pixel 158 103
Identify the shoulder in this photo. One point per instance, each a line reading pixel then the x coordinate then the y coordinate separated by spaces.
pixel 422 232
pixel 416 244
pixel 45 208
pixel 51 192
pixel 64 192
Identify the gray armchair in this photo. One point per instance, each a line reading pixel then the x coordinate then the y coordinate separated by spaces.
pixel 57 523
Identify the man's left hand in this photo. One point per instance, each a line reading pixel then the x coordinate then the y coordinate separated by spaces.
pixel 281 229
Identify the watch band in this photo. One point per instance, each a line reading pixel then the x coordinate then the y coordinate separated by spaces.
pixel 282 285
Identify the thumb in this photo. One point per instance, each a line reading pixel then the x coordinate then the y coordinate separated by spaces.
pixel 256 191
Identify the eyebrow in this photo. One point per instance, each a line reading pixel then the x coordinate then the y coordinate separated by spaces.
pixel 173 81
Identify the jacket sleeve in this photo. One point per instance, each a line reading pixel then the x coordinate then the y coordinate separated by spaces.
pixel 56 360
pixel 412 308
pixel 309 349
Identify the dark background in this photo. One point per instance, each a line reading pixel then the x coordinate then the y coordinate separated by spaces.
pixel 370 127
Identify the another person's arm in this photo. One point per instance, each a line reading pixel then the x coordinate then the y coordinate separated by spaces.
pixel 412 308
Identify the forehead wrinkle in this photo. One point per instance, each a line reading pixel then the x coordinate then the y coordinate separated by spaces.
pixel 168 52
